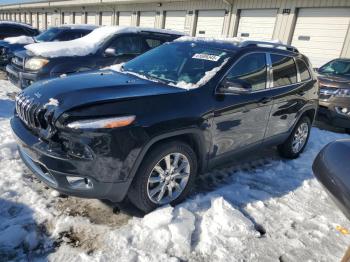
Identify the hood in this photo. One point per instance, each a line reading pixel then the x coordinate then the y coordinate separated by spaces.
pixel 82 89
pixel 334 81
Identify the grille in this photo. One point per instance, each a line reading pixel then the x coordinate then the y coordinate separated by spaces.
pixel 30 112
pixel 327 92
pixel 18 61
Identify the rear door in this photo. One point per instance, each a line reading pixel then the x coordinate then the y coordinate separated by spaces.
pixel 240 120
pixel 289 94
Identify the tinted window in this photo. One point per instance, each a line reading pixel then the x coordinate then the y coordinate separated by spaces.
pixel 68 35
pixel 303 70
pixel 127 45
pixel 48 35
pixel 336 67
pixel 250 71
pixel 284 70
pixel 153 42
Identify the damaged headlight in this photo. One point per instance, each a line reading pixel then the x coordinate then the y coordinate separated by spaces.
pixel 35 63
pixel 110 122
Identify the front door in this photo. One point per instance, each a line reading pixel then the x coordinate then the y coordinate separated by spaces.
pixel 240 119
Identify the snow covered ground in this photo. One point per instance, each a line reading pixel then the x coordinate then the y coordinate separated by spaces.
pixel 260 209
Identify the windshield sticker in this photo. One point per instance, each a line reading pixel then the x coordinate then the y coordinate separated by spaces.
pixel 208 57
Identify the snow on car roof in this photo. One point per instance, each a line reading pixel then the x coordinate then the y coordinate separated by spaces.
pixel 22 40
pixel 17 23
pixel 87 44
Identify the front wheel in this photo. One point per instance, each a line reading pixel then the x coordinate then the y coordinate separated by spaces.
pixel 297 141
pixel 165 176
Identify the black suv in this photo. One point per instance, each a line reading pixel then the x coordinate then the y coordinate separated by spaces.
pixel 10 29
pixel 53 34
pixel 334 79
pixel 96 50
pixel 147 129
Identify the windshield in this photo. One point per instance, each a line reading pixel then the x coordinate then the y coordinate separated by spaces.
pixel 47 35
pixel 183 64
pixel 336 67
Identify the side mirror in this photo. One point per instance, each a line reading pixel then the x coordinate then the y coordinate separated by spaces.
pixel 234 87
pixel 110 52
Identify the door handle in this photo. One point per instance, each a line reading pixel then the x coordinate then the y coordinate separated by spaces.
pixel 265 100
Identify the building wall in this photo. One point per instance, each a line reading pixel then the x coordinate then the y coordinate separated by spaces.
pixel 287 12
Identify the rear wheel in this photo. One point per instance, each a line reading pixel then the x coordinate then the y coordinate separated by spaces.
pixel 297 141
pixel 165 176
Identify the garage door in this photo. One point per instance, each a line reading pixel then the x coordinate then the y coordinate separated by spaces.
pixel 34 20
pixel 49 20
pixel 210 23
pixel 106 18
pixel 78 18
pixel 41 24
pixel 257 23
pixel 320 33
pixel 175 20
pixel 18 17
pixel 147 19
pixel 91 18
pixel 67 18
pixel 124 18
pixel 28 18
pixel 23 17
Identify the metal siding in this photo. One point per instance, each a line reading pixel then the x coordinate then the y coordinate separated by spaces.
pixel 320 33
pixel 125 18
pixel 175 20
pixel 107 18
pixel 147 19
pixel 257 23
pixel 210 23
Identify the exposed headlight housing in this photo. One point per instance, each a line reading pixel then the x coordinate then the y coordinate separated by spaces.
pixel 343 92
pixel 110 122
pixel 35 63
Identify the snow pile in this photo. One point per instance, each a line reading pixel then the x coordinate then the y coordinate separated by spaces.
pixel 85 45
pixel 22 40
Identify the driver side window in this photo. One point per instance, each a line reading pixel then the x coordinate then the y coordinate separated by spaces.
pixel 127 45
pixel 250 71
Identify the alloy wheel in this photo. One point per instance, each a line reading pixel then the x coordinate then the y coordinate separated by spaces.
pixel 168 178
pixel 300 137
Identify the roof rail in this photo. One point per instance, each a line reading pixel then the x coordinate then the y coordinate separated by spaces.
pixel 269 44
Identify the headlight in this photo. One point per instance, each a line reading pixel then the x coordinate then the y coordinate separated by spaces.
pixel 343 92
pixel 111 122
pixel 35 63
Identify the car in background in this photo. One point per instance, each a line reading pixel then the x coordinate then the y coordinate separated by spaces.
pixel 54 34
pixel 10 29
pixel 103 47
pixel 332 168
pixel 334 104
pixel 145 130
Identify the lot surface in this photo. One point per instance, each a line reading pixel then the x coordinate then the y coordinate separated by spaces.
pixel 257 208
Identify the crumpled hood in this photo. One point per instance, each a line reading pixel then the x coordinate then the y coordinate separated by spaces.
pixel 76 90
pixel 334 81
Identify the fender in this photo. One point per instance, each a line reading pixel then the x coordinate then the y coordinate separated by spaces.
pixel 203 151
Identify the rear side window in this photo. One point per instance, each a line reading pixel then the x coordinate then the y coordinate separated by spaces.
pixel 303 70
pixel 153 42
pixel 128 45
pixel 284 70
pixel 251 71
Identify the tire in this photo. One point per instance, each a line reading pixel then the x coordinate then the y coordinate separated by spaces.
pixel 141 191
pixel 286 149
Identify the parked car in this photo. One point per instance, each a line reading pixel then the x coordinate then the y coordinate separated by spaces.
pixel 54 34
pixel 148 128
pixel 332 168
pixel 103 47
pixel 334 79
pixel 9 29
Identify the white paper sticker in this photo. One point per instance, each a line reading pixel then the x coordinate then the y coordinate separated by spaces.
pixel 208 57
